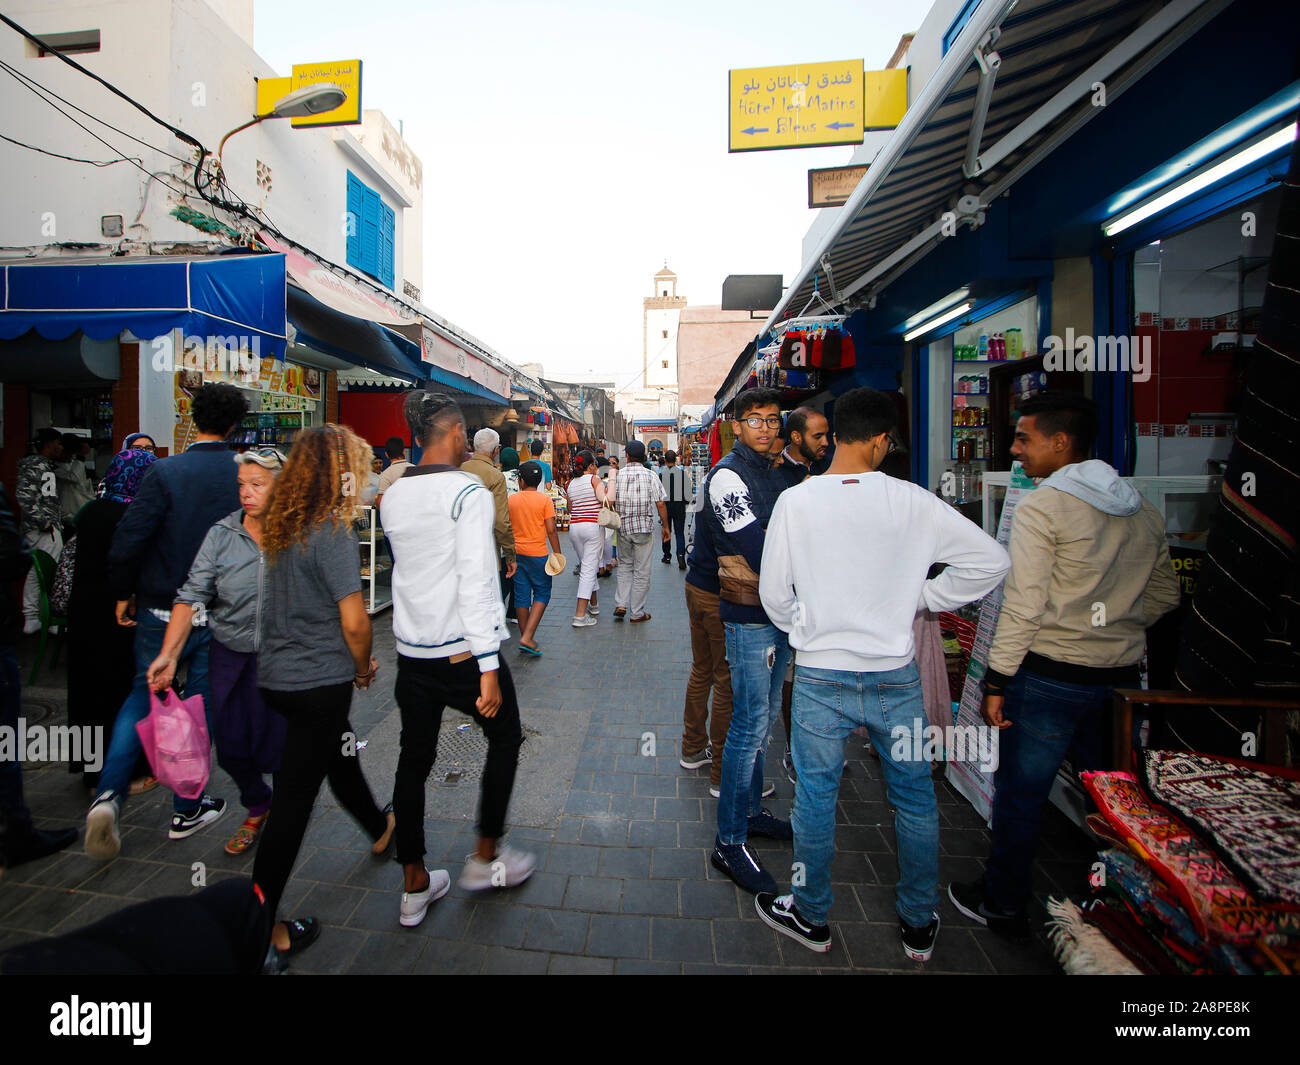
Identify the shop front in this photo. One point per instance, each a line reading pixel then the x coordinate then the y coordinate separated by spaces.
pixel 106 348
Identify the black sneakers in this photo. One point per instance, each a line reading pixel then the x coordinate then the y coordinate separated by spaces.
pixel 742 865
pixel 969 900
pixel 918 943
pixel 767 824
pixel 780 913
pixel 187 824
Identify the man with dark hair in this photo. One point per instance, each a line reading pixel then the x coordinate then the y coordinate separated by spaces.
pixel 741 491
pixel 1090 572
pixel 677 490
pixel 849 613
pixel 535 448
pixel 449 623
pixel 395 449
pixel 154 545
pixel 41 518
pixel 808 434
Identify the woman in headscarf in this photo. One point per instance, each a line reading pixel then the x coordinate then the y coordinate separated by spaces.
pixel 139 442
pixel 510 469
pixel 101 663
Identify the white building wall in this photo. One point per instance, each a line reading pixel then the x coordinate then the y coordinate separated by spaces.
pixel 659 348
pixel 181 60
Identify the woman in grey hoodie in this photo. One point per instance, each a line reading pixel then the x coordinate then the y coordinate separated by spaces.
pixel 224 590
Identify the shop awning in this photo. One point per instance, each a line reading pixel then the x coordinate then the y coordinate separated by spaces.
pixel 358 341
pixel 224 295
pixel 1019 78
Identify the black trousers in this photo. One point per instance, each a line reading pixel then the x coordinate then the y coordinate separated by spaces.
pixel 425 687
pixel 677 523
pixel 318 743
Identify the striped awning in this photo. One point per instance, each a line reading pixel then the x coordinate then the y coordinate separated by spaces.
pixel 1017 80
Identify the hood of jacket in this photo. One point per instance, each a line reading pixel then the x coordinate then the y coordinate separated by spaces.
pixel 1099 485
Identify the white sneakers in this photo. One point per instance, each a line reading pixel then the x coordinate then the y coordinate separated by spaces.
pixel 508 869
pixel 102 839
pixel 416 904
pixel 584 622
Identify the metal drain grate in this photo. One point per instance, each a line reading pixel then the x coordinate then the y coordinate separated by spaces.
pixel 462 752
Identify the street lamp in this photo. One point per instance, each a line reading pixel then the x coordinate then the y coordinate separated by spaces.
pixel 312 100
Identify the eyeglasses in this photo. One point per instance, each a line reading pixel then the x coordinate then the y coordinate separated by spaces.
pixel 772 421
pixel 143 447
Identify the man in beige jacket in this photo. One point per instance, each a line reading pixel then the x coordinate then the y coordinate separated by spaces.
pixel 483 465
pixel 1090 572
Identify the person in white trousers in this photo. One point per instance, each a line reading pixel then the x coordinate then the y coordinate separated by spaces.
pixel 639 494
pixel 587 496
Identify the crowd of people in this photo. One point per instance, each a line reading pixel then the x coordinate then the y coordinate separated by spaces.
pixel 235 577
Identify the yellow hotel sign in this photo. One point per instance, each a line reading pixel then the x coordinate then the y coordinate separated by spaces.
pixel 345 73
pixel 805 105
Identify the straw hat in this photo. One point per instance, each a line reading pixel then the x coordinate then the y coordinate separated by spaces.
pixel 555 565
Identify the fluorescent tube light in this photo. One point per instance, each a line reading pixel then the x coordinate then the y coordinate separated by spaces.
pixel 935 308
pixel 934 323
pixel 1204 179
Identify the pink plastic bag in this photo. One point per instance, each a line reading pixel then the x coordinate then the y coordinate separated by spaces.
pixel 175 739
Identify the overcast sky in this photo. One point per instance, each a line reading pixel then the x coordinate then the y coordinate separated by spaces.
pixel 569 149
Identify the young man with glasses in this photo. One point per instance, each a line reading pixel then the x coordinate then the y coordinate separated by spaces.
pixel 845 568
pixel 741 491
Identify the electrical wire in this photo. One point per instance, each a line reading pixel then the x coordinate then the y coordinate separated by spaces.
pixel 83 126
pixel 45 88
pixel 70 158
pixel 108 85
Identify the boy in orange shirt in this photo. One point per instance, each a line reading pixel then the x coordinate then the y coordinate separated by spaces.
pixel 532 516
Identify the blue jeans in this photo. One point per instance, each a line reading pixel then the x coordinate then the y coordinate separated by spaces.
pixel 124 748
pixel 758 656
pixel 1048 717
pixel 532 582
pixel 14 815
pixel 828 704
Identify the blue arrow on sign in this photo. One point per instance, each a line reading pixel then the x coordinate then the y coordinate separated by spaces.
pixel 840 125
pixel 751 131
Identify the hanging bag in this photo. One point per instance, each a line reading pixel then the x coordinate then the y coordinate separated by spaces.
pixel 175 740
pixel 61 586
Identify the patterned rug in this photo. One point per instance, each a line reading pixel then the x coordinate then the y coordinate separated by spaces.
pixel 1218 903
pixel 1251 817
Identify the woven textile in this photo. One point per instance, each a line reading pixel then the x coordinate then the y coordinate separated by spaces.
pixel 1250 816
pixel 1219 904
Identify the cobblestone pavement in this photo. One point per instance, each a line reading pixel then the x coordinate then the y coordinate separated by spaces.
pixel 622 838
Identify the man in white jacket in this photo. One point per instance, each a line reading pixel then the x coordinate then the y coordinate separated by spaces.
pixel 844 572
pixel 449 622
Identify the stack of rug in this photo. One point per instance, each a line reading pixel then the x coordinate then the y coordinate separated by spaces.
pixel 1204 874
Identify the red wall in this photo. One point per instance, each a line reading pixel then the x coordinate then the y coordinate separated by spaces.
pixel 374 416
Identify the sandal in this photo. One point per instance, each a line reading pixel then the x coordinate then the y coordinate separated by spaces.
pixel 142 784
pixel 381 844
pixel 246 835
pixel 303 932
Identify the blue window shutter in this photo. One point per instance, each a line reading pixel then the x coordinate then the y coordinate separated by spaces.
pixel 356 200
pixel 370 233
pixel 387 232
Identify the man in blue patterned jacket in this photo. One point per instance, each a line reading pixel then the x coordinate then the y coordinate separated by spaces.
pixel 741 491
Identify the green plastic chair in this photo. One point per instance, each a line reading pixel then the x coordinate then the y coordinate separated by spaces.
pixel 43 564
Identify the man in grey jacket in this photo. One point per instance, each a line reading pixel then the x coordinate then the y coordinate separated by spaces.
pixel 1090 572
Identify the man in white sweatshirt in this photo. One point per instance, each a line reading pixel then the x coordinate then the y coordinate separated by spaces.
pixel 449 622
pixel 844 572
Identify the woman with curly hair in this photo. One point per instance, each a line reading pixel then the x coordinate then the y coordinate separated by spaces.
pixel 315 648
